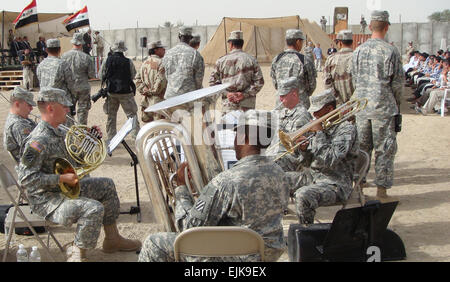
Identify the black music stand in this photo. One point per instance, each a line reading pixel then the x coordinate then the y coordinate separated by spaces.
pixel 120 139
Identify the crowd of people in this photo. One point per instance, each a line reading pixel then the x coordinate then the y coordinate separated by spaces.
pixel 255 192
pixel 428 76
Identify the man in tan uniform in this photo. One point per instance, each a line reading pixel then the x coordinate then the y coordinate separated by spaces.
pixel 338 68
pixel 151 82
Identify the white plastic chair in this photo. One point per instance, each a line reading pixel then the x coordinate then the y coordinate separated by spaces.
pixel 22 216
pixel 444 103
pixel 218 241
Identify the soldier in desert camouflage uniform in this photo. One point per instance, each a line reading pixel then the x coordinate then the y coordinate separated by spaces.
pixel 338 68
pixel 18 126
pixel 333 153
pixel 151 81
pixel 291 63
pixel 379 77
pixel 184 66
pixel 82 67
pixel 242 71
pixel 248 195
pixel 98 202
pixel 56 73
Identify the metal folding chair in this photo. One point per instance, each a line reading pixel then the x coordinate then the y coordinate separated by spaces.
pixel 22 216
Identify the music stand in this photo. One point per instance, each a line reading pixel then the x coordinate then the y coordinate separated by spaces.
pixel 113 144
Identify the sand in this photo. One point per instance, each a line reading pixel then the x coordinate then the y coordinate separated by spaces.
pixel 422 184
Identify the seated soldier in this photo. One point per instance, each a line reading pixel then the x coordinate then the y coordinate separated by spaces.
pixel 18 126
pixel 333 153
pixel 247 195
pixel 98 202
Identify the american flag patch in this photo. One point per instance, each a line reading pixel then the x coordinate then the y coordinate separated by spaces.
pixel 35 145
pixel 200 206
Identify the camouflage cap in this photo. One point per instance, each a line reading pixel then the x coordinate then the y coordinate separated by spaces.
pixel 22 94
pixel 77 39
pixel 50 94
pixel 53 43
pixel 294 34
pixel 155 44
pixel 185 30
pixel 258 118
pixel 345 35
pixel 381 16
pixel 236 35
pixel 320 100
pixel 119 46
pixel 287 85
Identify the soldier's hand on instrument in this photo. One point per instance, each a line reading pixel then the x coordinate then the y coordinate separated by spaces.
pixel 96 131
pixel 180 174
pixel 304 143
pixel 69 178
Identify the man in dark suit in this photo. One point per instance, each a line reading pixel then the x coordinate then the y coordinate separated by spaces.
pixel 41 46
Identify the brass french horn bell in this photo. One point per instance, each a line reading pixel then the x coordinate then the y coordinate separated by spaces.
pixel 62 166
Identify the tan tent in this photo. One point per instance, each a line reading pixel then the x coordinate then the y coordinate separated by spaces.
pixel 264 38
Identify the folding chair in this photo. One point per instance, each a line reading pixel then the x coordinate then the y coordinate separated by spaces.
pixel 22 216
pixel 357 195
pixel 218 241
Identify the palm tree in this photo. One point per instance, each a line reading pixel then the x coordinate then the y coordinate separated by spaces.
pixel 443 16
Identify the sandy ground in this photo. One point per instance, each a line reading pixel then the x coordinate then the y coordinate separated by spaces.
pixel 422 184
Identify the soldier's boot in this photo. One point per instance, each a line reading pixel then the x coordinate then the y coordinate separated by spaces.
pixel 114 242
pixel 75 254
pixel 383 197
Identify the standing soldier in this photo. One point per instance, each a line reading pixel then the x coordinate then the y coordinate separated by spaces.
pixel 82 67
pixel 151 81
pixel 378 76
pixel 308 51
pixel 338 68
pixel 363 24
pixel 323 23
pixel 55 72
pixel 98 41
pixel 291 63
pixel 242 71
pixel 184 66
pixel 28 65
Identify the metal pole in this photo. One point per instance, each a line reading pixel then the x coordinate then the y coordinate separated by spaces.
pixel 256 45
pixel 3 29
pixel 225 35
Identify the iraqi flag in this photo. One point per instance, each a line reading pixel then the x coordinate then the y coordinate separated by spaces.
pixel 29 15
pixel 79 19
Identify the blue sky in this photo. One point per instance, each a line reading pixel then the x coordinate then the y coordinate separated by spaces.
pixel 150 13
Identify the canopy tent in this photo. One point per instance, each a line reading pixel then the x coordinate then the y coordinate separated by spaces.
pixel 264 38
pixel 50 25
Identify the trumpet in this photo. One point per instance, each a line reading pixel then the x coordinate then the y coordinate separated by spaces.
pixel 333 118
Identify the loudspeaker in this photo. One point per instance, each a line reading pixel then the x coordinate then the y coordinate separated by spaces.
pixel 356 235
pixel 143 42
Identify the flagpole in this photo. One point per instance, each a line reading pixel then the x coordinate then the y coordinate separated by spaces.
pixel 3 30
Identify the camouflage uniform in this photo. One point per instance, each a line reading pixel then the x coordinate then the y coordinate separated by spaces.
pixel 244 73
pixel 114 100
pixel 379 77
pixel 98 202
pixel 151 83
pixel 338 75
pixel 16 130
pixel 249 194
pixel 83 68
pixel 184 69
pixel 330 178
pixel 308 52
pixel 290 65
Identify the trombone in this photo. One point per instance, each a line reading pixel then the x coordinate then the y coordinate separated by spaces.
pixel 333 118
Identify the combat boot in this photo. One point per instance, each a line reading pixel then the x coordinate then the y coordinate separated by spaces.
pixel 114 242
pixel 383 197
pixel 75 254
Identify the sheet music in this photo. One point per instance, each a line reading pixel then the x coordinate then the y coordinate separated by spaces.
pixel 120 136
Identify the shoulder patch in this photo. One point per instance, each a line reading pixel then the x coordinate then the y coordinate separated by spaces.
pixel 36 146
pixel 200 205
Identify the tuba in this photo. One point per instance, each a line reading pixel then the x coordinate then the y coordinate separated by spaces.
pixel 87 149
pixel 164 144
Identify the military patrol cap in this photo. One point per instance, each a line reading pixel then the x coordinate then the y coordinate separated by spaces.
pixel 287 85
pixel 22 94
pixel 77 39
pixel 50 94
pixel 381 16
pixel 53 43
pixel 345 35
pixel 119 46
pixel 294 34
pixel 320 100
pixel 256 118
pixel 185 30
pixel 155 44
pixel 236 35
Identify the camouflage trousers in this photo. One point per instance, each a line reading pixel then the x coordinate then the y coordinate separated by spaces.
pixel 147 102
pixel 379 136
pixel 98 204
pixel 111 107
pixel 28 78
pixel 82 100
pixel 159 248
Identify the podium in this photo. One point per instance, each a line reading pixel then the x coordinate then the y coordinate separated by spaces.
pixel 356 235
